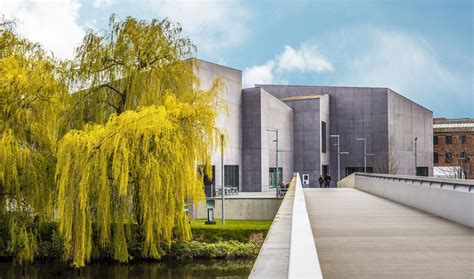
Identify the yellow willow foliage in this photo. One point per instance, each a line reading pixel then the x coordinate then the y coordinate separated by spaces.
pixel 31 101
pixel 137 169
pixel 23 244
pixel 131 65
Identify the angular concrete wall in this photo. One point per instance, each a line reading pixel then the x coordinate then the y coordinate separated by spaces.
pixel 307 126
pixel 262 111
pixel 230 122
pixel 387 120
pixel 252 140
pixel 276 115
pixel 241 209
pixel 358 113
pixel 407 121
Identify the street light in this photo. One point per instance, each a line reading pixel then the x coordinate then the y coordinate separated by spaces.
pixel 276 160
pixel 416 157
pixel 365 153
pixel 339 153
pixel 222 178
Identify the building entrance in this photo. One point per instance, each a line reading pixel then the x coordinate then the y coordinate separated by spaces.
pixel 325 170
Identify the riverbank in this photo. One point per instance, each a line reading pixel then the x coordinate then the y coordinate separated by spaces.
pixel 236 240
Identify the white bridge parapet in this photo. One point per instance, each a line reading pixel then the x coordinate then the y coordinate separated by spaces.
pixel 304 262
pixel 452 199
pixel 289 250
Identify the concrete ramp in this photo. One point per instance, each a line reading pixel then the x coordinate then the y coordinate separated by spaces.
pixel 360 235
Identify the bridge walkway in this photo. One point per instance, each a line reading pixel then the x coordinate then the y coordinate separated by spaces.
pixel 360 235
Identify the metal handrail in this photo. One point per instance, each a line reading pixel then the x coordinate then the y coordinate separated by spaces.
pixel 443 181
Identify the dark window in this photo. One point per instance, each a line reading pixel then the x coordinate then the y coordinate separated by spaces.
pixel 449 139
pixel 436 157
pixel 231 176
pixel 273 181
pixel 435 140
pixel 422 171
pixel 449 157
pixel 462 155
pixel 463 139
pixel 323 137
pixel 325 170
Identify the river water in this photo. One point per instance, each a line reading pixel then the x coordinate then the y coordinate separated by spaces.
pixel 234 269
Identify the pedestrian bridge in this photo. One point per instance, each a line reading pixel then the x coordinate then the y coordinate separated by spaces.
pixel 373 226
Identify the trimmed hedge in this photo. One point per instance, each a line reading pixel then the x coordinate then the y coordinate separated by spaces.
pixel 221 250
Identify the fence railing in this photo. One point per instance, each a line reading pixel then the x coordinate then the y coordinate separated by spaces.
pixel 452 199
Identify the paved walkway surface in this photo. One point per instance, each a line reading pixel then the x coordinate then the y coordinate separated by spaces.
pixel 359 235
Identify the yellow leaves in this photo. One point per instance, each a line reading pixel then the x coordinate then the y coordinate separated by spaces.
pixel 23 243
pixel 138 168
pixel 144 127
pixel 133 65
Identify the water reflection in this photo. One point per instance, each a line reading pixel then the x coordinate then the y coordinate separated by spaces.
pixel 234 269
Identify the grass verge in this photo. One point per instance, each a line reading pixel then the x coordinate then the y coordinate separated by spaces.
pixel 238 230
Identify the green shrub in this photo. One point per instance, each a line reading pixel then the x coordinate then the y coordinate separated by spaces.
pixel 220 250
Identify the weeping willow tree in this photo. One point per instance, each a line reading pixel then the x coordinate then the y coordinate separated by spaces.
pixel 139 168
pixel 144 125
pixel 32 99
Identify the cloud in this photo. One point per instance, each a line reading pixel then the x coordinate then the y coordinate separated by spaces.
pixel 305 59
pixel 262 74
pixel 212 25
pixel 53 24
pixel 103 3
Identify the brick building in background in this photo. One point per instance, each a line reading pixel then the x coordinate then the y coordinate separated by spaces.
pixel 453 144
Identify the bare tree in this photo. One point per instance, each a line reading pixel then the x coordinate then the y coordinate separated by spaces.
pixel 6 24
pixel 456 164
pixel 386 163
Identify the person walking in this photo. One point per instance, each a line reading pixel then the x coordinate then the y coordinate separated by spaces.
pixel 328 181
pixel 321 181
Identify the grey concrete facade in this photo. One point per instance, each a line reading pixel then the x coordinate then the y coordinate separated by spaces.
pixel 406 121
pixel 229 122
pixel 261 112
pixel 388 121
pixel 237 208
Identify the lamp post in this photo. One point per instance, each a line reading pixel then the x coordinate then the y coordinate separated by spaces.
pixel 416 157
pixel 365 153
pixel 276 161
pixel 222 178
pixel 339 153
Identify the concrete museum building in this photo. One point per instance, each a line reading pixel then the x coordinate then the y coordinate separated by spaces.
pixel 310 121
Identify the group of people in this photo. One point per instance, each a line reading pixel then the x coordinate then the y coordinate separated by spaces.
pixel 325 181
